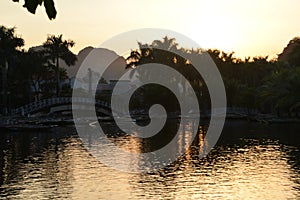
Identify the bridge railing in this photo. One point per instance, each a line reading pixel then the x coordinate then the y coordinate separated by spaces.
pixel 39 105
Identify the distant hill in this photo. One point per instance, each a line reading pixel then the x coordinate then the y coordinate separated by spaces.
pixel 116 69
pixel 72 70
pixel 290 53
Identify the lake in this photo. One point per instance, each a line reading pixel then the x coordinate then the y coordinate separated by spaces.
pixel 250 161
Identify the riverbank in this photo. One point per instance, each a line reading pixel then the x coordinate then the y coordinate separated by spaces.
pixel 45 122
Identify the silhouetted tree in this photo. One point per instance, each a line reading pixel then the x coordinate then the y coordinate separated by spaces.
pixel 166 52
pixel 281 89
pixel 59 48
pixel 10 44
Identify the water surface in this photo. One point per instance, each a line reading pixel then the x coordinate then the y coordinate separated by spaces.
pixel 251 161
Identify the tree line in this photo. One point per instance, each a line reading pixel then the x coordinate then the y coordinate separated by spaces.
pixel 260 84
pixel 27 76
pixel 268 86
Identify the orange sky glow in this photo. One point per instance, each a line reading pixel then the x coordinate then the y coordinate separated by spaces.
pixel 249 28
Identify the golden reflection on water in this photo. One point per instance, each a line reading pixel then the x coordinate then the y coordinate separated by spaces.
pixel 251 170
pixel 203 144
pixel 130 144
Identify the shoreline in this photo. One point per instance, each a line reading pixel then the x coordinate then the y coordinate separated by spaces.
pixel 46 121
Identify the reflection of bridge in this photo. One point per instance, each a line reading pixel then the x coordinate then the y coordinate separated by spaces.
pixel 79 102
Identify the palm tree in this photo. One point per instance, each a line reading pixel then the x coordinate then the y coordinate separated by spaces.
pixel 9 46
pixel 59 48
pixel 282 89
pixel 168 44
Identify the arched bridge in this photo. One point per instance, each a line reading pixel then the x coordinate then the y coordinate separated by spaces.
pixel 80 102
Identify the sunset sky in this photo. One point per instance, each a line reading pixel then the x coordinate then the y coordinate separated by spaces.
pixel 247 27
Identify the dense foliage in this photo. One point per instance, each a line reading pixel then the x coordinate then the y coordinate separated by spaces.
pixel 30 75
pixel 268 86
pixel 31 6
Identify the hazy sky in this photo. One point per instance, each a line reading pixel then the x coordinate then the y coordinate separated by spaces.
pixel 249 27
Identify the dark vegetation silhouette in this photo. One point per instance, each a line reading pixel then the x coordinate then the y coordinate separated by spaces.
pixel 28 76
pixel 267 86
pixel 255 84
pixel 57 48
pixel 10 45
pixel 166 52
pixel 31 6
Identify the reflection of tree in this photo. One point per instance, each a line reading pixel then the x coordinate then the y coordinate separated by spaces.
pixel 167 182
pixel 35 164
